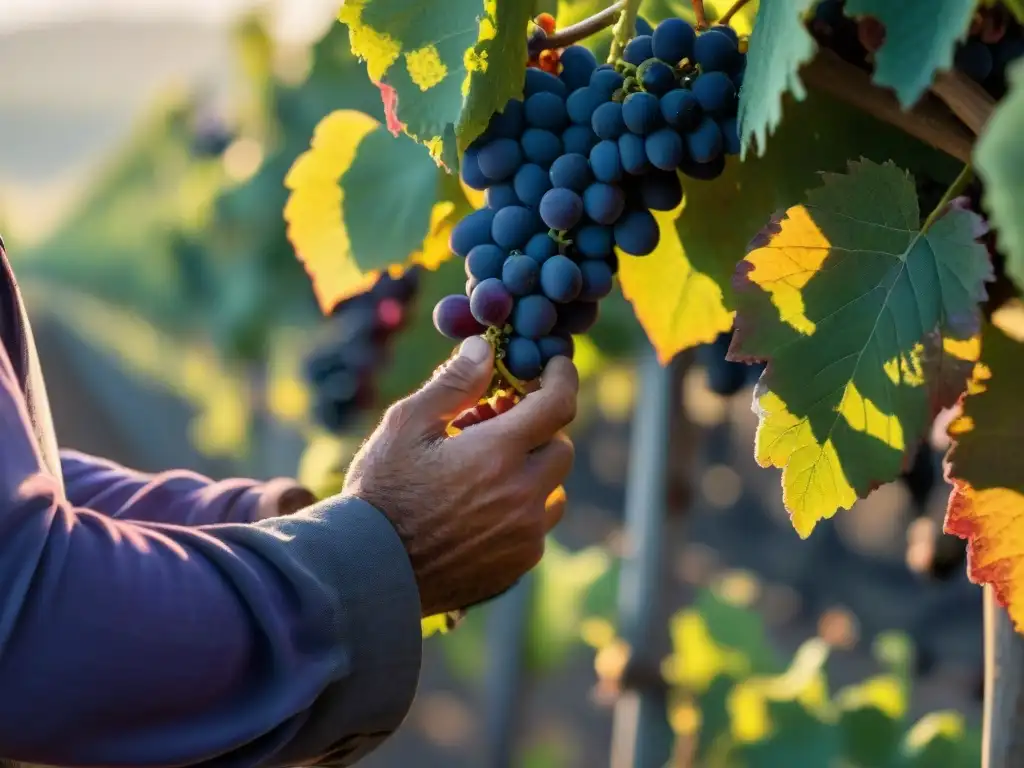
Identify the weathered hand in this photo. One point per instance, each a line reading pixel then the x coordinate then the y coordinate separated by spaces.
pixel 472 509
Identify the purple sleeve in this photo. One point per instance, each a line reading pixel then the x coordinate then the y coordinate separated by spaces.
pixel 178 497
pixel 280 643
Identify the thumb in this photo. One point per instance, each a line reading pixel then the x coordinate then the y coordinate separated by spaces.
pixel 458 384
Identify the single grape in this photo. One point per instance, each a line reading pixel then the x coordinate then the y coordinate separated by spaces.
pixel 560 279
pixel 546 110
pixel 658 78
pixel 509 123
pixel 499 159
pixel 730 136
pixel 538 81
pixel 703 171
pixel 974 59
pixel 555 345
pixel 680 109
pixel 638 50
pixel 470 171
pixel 1008 50
pixel 636 233
pixel 576 317
pixel 633 154
pixel 571 171
pixel 522 358
pixel 514 226
pixel 716 94
pixel 725 29
pixel 664 149
pixel 606 81
pixel 641 112
pixel 491 303
pixel 473 230
pixel 705 141
pixel 485 261
pixel 725 378
pixel 673 41
pixel 561 209
pixel 581 104
pixel 520 274
pixel 605 162
pixel 715 51
pixel 607 121
pixel 534 316
pixel 643 26
pixel 597 280
pixel 540 146
pixel 501 195
pixel 531 182
pixel 612 260
pixel 661 191
pixel 593 241
pixel 454 319
pixel 603 203
pixel 541 247
pixel 578 64
pixel 578 139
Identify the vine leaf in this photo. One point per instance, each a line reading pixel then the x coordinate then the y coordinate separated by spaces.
pixel 682 293
pixel 999 158
pixel 779 46
pixel 986 468
pixel 448 64
pixel 919 39
pixel 363 201
pixel 843 296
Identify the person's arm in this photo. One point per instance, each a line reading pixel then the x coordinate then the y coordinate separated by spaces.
pixel 286 642
pixel 177 497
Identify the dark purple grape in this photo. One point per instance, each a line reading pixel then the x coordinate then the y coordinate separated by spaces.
pixel 607 121
pixel 499 159
pixel 530 183
pixel 555 345
pixel 577 317
pixel 594 241
pixel 673 41
pixel 491 303
pixel 974 59
pixel 571 172
pixel 540 146
pixel 604 160
pixel 638 50
pixel 541 247
pixel 606 81
pixel 705 141
pixel 485 261
pixel 454 319
pixel 641 113
pixel 633 154
pixel 520 274
pixel 534 316
pixel 512 227
pixel 597 279
pixel 703 171
pixel 509 123
pixel 578 64
pixel 560 279
pixel 546 110
pixel 501 196
pixel 716 94
pixel 523 358
pixel 658 78
pixel 636 233
pixel 643 26
pixel 680 109
pixel 715 51
pixel 578 139
pixel 603 203
pixel 730 136
pixel 539 81
pixel 664 149
pixel 470 171
pixel 473 230
pixel 561 209
pixel 581 104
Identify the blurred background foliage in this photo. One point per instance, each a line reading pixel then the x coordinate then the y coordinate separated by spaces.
pixel 173 319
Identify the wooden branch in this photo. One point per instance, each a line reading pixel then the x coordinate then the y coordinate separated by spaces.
pixel 578 31
pixel 965 99
pixel 928 121
pixel 699 15
pixel 735 8
pixel 1003 738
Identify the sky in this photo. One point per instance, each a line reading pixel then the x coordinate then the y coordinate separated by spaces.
pixel 297 18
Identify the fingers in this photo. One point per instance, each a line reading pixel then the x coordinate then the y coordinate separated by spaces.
pixel 541 414
pixel 457 385
pixel 554 508
pixel 547 467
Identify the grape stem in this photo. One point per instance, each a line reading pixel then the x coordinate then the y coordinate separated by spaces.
pixel 959 184
pixel 698 12
pixel 579 31
pixel 512 381
pixel 733 10
pixel 624 29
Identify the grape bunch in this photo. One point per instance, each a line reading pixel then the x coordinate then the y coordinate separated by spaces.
pixel 354 344
pixel 572 171
pixel 995 41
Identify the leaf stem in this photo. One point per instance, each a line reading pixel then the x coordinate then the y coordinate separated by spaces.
pixel 578 31
pixel 735 8
pixel 624 30
pixel 698 11
pixel 959 185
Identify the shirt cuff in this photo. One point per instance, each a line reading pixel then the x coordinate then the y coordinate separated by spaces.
pixel 282 496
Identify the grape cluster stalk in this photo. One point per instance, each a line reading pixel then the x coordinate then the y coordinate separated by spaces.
pixel 571 174
pixel 354 344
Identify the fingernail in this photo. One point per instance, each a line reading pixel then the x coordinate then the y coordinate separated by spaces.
pixel 476 349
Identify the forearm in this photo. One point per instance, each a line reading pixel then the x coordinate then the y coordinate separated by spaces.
pixel 178 497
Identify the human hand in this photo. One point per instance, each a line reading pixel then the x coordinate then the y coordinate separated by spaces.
pixel 473 509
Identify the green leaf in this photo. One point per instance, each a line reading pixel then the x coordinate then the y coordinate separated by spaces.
pixel 683 293
pixel 871 720
pixel 1016 7
pixel 845 296
pixel 999 158
pixel 779 46
pixel 919 39
pixel 451 63
pixel 938 740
